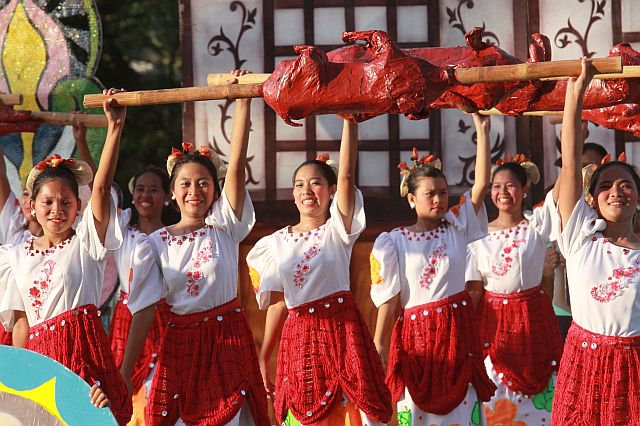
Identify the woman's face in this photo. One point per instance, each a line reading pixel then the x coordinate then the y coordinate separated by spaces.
pixel 56 207
pixel 507 192
pixel 430 197
pixel 615 195
pixel 194 190
pixel 149 195
pixel 311 191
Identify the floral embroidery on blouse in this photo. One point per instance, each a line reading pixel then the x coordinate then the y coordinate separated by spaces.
pixel 255 279
pixel 618 282
pixel 434 234
pixel 376 279
pixel 40 290
pixel 509 250
pixel 303 267
pixel 180 239
pixel 431 268
pixel 194 274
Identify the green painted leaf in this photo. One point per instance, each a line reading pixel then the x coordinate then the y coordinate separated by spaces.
pixel 475 414
pixel 404 418
pixel 290 420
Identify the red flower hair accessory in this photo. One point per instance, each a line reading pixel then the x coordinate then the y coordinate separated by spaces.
pixel 325 158
pixel 427 160
pixel 81 170
pixel 531 170
pixel 189 149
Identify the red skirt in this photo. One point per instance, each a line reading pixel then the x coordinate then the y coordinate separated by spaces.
pixel 119 331
pixel 520 332
pixel 77 340
pixel 599 380
pixel 326 348
pixel 5 337
pixel 207 368
pixel 435 353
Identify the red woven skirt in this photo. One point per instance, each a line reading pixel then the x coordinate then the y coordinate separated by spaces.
pixel 520 333
pixel 326 349
pixel 119 332
pixel 5 337
pixel 599 380
pixel 435 353
pixel 207 368
pixel 77 340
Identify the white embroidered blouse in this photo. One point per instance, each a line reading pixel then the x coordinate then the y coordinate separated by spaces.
pixel 425 267
pixel 306 266
pixel 511 260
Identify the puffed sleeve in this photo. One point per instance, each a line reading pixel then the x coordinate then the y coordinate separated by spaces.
pixel 471 272
pixel 385 277
pixel 541 219
pixel 580 227
pixel 10 298
pixel 146 285
pixel 464 218
pixel 89 236
pixel 263 271
pixel 223 217
pixel 124 218
pixel 12 221
pixel 358 222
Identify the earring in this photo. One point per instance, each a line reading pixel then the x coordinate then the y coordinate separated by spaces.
pixel 525 196
pixel 133 202
pixel 331 197
pixel 173 197
pixel 412 205
pixel 33 212
pixel 166 203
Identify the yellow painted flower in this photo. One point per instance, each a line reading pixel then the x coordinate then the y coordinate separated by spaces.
pixel 255 279
pixel 375 270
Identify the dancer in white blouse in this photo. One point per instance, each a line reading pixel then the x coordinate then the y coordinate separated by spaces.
pixel 435 371
pixel 207 370
pixel 599 377
pixel 518 329
pixel 301 275
pixel 54 281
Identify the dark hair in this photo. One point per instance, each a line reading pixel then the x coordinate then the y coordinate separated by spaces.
pixel 515 168
pixel 602 167
pixel 61 172
pixel 594 147
pixel 165 180
pixel 198 159
pixel 422 172
pixel 325 169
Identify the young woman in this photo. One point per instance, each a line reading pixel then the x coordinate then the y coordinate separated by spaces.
pixel 207 370
pixel 328 372
pixel 150 191
pixel 518 330
pixel 599 377
pixel 435 371
pixel 54 281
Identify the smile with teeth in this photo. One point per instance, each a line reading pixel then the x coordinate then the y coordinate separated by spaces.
pixel 308 201
pixel 619 203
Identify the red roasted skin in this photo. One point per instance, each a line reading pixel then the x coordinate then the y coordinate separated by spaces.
pixel 391 82
pixel 624 117
pixel 599 94
pixel 15 121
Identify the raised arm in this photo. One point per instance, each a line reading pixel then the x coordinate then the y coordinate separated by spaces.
pixel 235 180
pixel 5 188
pixel 483 160
pixel 101 190
pixel 570 186
pixel 347 172
pixel 80 136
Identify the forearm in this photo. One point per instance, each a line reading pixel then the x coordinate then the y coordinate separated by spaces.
pixel 101 190
pixel 236 175
pixel 387 316
pixel 276 316
pixel 138 332
pixel 346 172
pixel 84 153
pixel 483 163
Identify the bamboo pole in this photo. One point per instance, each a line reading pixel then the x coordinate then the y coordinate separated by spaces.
pixel 628 71
pixel 10 99
pixel 172 96
pixel 607 67
pixel 70 119
pixel 495 74
pixel 494 111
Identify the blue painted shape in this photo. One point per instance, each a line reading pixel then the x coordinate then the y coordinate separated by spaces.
pixel 22 369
